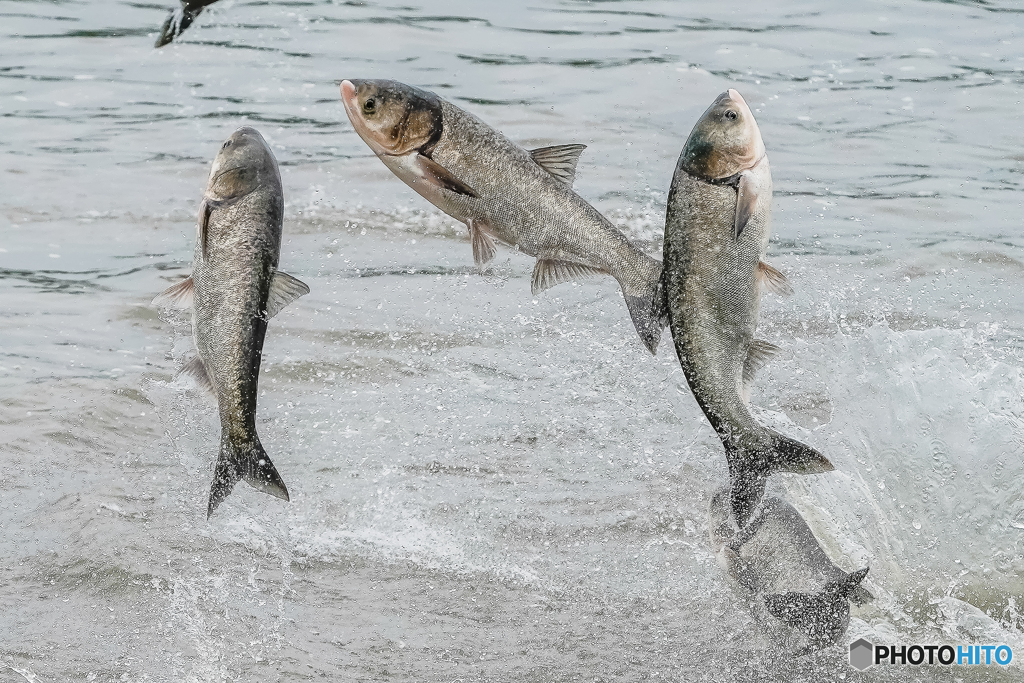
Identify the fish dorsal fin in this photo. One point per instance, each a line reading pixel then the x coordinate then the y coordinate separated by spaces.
pixel 758 354
pixel 773 280
pixel 178 295
pixel 197 371
pixel 747 194
pixel 435 174
pixel 284 289
pixel 559 161
pixel 550 272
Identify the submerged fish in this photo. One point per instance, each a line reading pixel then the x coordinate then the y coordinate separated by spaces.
pixel 801 599
pixel 180 19
pixel 502 191
pixel 716 233
pixel 235 288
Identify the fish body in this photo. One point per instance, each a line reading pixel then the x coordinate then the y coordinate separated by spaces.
pixel 800 598
pixel 234 289
pixel 179 19
pixel 717 226
pixel 503 192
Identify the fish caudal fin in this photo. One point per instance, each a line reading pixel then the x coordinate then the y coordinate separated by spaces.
pixel 649 312
pixel 823 616
pixel 249 462
pixel 750 465
pixel 177 21
pixel 849 587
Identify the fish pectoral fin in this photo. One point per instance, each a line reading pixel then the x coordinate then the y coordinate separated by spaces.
pixel 559 161
pixel 550 272
pixel 773 280
pixel 747 193
pixel 758 354
pixel 205 209
pixel 437 175
pixel 483 246
pixel 197 371
pixel 284 289
pixel 179 295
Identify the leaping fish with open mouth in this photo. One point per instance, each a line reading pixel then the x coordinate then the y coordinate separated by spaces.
pixel 234 289
pixel 716 233
pixel 501 191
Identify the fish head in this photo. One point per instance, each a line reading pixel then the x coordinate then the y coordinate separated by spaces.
pixel 243 163
pixel 725 141
pixel 393 118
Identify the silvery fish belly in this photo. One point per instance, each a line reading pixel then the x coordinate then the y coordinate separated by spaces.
pixel 234 289
pixel 502 191
pixel 717 226
pixel 801 599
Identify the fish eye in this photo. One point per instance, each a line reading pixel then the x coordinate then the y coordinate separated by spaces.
pixel 370 106
pixel 731 115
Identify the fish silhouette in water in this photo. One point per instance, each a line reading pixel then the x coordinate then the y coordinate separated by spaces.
pixel 234 289
pixel 801 599
pixel 717 226
pixel 180 19
pixel 501 191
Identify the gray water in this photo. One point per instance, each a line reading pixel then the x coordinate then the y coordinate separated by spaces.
pixel 488 485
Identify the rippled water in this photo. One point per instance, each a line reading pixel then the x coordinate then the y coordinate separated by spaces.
pixel 488 485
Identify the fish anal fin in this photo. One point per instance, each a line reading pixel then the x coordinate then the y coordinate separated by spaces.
pixel 550 272
pixel 559 160
pixel 747 194
pixel 438 176
pixel 483 246
pixel 179 295
pixel 197 371
pixel 284 289
pixel 758 354
pixel 773 280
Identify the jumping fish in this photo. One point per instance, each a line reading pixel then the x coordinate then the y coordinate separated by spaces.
pixel 180 19
pixel 234 289
pixel 502 191
pixel 716 233
pixel 801 599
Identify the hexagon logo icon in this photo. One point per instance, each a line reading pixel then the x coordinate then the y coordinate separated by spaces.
pixel 861 654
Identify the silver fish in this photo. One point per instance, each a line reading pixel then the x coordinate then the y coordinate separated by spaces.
pixel 801 599
pixel 502 191
pixel 235 288
pixel 716 234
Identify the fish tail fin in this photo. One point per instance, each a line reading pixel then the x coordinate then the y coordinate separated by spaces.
pixel 822 616
pixel 176 22
pixel 849 587
pixel 649 310
pixel 750 465
pixel 247 461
